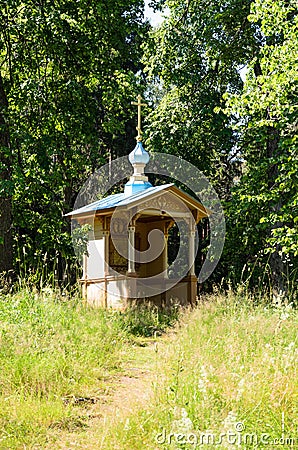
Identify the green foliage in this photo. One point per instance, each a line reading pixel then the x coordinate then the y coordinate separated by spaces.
pixel 266 198
pixel 69 74
pixel 80 239
pixel 195 55
pixel 242 135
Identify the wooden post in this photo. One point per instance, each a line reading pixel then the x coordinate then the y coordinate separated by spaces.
pixel 192 236
pixel 85 260
pixel 131 249
pixel 165 255
pixel 192 279
pixel 106 236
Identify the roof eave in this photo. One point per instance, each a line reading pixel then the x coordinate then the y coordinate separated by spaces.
pixel 192 201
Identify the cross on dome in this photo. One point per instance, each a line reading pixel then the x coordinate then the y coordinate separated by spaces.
pixel 138 159
pixel 139 104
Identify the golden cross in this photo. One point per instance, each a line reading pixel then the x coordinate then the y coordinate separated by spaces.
pixel 138 128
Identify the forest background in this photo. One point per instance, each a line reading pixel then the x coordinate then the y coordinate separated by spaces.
pixel 69 71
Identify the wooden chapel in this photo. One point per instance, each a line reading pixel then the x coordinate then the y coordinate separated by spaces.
pixel 127 254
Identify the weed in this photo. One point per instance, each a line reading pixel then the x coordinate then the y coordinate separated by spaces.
pixel 148 319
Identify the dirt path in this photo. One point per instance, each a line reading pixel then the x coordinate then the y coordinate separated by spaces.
pixel 125 395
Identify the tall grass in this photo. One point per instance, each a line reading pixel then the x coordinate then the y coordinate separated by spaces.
pixel 231 374
pixel 232 360
pixel 49 350
pixel 55 351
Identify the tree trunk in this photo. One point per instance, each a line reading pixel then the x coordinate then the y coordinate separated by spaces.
pixel 276 260
pixel 6 256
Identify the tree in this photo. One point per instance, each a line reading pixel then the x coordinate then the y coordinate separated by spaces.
pixel 195 57
pixel 69 73
pixel 266 196
pixel 6 257
pixel 248 149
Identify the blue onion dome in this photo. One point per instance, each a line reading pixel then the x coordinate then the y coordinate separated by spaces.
pixel 139 155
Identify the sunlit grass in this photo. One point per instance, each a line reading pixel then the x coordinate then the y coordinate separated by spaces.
pixel 231 371
pixel 229 361
pixel 53 350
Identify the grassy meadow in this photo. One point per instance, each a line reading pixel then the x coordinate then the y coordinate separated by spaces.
pixel 229 379
pixel 54 352
pixel 229 368
pixel 49 349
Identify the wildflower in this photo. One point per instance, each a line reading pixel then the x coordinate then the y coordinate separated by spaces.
pixel 284 315
pixel 290 355
pixel 127 425
pixel 184 424
pixel 230 424
pixel 230 421
pixel 203 380
pixel 240 389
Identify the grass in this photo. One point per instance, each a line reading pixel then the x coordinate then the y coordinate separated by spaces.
pixel 52 351
pixel 147 320
pixel 48 350
pixel 231 374
pixel 229 362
